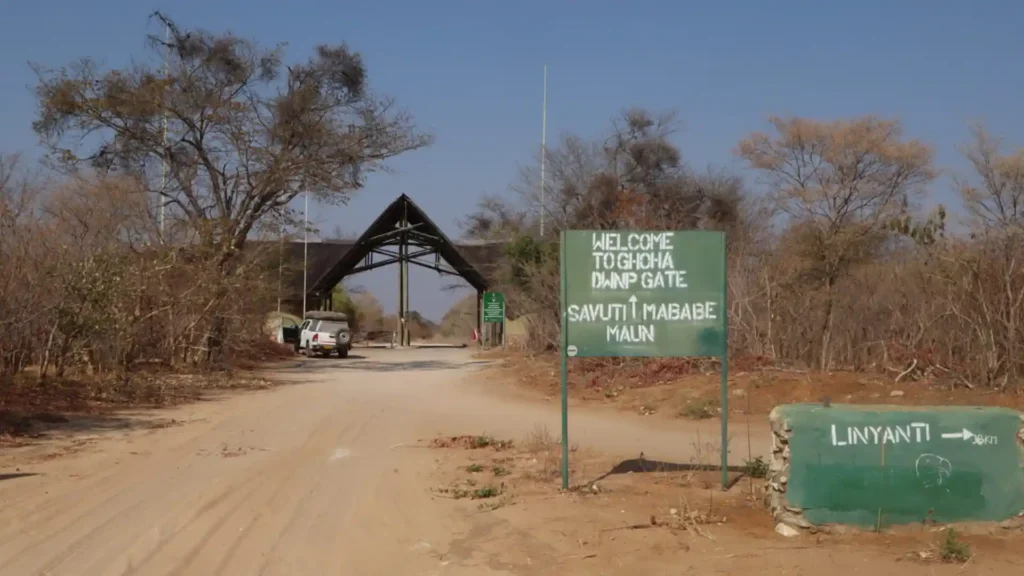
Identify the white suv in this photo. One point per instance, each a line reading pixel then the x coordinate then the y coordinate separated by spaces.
pixel 323 333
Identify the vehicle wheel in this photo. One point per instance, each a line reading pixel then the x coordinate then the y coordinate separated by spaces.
pixel 343 353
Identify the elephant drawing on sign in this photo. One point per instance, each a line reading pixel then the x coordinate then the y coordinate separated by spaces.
pixel 932 470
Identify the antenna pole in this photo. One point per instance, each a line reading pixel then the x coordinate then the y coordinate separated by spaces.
pixel 305 253
pixel 280 267
pixel 163 139
pixel 543 148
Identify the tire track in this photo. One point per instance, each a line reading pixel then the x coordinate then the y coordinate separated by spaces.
pixel 320 442
pixel 56 507
pixel 294 516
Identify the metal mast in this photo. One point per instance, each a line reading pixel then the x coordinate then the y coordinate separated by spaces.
pixel 543 147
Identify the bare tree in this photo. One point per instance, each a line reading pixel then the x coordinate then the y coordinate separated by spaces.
pixel 841 183
pixel 18 302
pixel 983 274
pixel 997 201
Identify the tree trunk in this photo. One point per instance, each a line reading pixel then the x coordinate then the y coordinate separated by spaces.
pixel 826 325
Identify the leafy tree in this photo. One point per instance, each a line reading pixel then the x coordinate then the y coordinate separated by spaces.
pixel 342 302
pixel 241 133
pixel 634 178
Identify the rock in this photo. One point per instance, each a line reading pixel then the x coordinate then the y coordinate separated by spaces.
pixel 839 530
pixel 1011 524
pixel 896 394
pixel 421 547
pixel 779 426
pixel 787 531
pixel 594 488
pixel 791 519
pixel 794 509
pixel 674 512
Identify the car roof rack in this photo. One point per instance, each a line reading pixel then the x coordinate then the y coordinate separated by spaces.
pixel 321 315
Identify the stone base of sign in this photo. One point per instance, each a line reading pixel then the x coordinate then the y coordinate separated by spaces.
pixel 1020 435
pixel 778 476
pixel 1020 443
pixel 790 519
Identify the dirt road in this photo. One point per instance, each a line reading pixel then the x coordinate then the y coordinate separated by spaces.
pixel 317 477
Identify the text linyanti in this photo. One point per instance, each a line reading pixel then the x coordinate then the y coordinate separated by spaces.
pixel 913 433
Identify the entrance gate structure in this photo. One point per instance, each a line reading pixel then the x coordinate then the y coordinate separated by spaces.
pixel 402 234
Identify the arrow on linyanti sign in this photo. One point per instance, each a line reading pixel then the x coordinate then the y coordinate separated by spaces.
pixel 965 434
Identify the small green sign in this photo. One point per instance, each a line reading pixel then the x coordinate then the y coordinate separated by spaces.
pixel 633 293
pixel 494 307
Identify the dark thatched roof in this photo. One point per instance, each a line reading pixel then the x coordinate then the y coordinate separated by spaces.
pixel 405 217
pixel 330 261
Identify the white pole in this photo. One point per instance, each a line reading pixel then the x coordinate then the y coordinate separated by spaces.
pixel 280 273
pixel 163 137
pixel 305 254
pixel 543 147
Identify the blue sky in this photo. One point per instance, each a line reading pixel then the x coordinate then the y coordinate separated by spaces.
pixel 471 72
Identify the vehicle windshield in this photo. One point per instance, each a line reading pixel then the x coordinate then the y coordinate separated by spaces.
pixel 332 327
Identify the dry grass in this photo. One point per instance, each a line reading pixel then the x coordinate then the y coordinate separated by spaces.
pixel 28 405
pixel 952 549
pixel 682 389
pixel 545 450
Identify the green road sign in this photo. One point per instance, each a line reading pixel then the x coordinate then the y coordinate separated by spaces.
pixel 643 293
pixel 494 307
pixel 869 465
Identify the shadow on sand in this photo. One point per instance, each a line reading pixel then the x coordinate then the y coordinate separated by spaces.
pixel 16 475
pixel 642 465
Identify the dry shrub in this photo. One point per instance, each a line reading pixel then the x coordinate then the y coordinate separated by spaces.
pixel 834 267
pixel 545 452
pixel 87 293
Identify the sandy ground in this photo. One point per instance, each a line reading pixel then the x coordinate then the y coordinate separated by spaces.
pixel 329 474
pixel 302 479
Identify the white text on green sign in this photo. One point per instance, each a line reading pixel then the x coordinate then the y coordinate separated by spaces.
pixel 638 262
